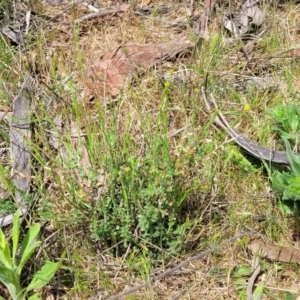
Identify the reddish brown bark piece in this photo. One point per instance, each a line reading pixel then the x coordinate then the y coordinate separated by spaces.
pixel 274 252
pixel 108 74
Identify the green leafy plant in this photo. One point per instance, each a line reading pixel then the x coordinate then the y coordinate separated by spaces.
pixel 145 196
pixel 288 182
pixel 239 277
pixel 288 122
pixel 289 296
pixel 13 260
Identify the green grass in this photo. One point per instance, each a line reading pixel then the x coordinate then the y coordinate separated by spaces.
pixel 144 197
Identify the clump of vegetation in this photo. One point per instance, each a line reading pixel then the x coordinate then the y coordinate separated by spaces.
pixel 287 118
pixel 13 260
pixel 287 183
pixel 142 192
pixel 146 194
pixel 143 206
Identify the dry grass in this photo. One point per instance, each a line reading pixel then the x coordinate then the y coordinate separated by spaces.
pixel 223 196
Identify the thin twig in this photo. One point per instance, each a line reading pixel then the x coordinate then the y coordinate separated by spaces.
pixel 252 279
pixel 179 266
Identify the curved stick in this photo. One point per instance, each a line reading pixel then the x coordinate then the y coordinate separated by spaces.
pixel 279 157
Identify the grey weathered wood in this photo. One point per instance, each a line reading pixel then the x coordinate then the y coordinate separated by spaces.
pixel 275 156
pixel 20 135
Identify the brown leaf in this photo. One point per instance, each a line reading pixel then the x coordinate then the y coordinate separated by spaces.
pixel 274 252
pixel 108 74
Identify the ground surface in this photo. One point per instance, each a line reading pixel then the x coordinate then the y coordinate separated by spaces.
pixel 153 153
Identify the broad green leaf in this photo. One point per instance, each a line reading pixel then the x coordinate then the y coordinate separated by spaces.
pixel 293 158
pixel 280 180
pixel 289 296
pixel 243 271
pixel 3 240
pixel 26 255
pixel 5 257
pixel 287 208
pixel 15 235
pixel 271 295
pixel 45 274
pixel 294 125
pixel 12 283
pixel 28 246
pixel 286 135
pixel 259 291
pixel 242 294
pixel 292 190
pixel 282 133
pixel 36 296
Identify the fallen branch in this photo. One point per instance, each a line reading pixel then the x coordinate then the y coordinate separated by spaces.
pixel 179 266
pixel 20 134
pixel 253 278
pixel 279 157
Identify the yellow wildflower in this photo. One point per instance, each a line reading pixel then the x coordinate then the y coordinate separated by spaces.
pixel 247 107
pixel 167 84
pixel 127 169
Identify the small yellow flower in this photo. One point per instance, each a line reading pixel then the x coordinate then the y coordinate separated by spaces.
pixel 247 107
pixel 81 193
pixel 196 91
pixel 167 84
pixel 127 169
